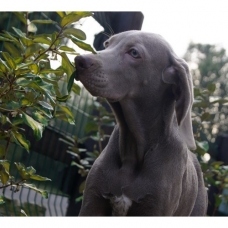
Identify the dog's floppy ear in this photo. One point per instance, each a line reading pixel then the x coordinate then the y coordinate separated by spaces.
pixel 179 76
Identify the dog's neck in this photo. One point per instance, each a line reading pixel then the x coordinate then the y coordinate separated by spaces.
pixel 137 133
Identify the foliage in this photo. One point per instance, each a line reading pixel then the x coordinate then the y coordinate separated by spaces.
pixel 95 129
pixel 210 75
pixel 29 85
pixel 210 110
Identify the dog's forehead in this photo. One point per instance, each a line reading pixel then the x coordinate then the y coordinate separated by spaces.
pixel 135 36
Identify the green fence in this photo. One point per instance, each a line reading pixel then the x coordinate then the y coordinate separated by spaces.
pixel 48 156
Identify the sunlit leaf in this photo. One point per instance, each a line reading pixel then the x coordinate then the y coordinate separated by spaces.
pixel 33 49
pixel 21 16
pixel 3 67
pixel 2 200
pixel 32 27
pixel 23 212
pixel 82 45
pixel 12 49
pixel 66 48
pixel 36 127
pixel 22 170
pixel 71 81
pixel 39 178
pixel 43 22
pixel 67 65
pixel 61 14
pixel 63 98
pixel 4 175
pixel 202 147
pixel 73 17
pixel 75 32
pixel 9 60
pixel 40 118
pixel 5 164
pixel 30 170
pixel 34 68
pixel 45 105
pixel 76 89
pixel 33 187
pixel 22 141
pixel 43 40
pixel 19 32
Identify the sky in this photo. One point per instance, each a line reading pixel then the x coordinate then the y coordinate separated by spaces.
pixel 178 21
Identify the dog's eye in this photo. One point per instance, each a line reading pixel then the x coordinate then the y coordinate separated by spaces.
pixel 106 43
pixel 134 53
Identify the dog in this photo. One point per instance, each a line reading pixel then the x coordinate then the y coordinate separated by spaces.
pixel 146 169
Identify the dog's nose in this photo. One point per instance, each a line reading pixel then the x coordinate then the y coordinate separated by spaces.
pixel 83 62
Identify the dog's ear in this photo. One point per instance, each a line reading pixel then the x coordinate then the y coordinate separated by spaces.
pixel 179 76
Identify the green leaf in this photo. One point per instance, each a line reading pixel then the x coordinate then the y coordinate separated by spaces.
pixel 79 199
pixel 3 67
pixel 82 45
pixel 67 111
pixel 36 127
pixel 220 101
pixel 30 170
pixel 73 17
pixel 45 105
pixel 22 141
pixel 23 212
pixel 2 200
pixel 34 68
pixel 61 14
pixel 211 88
pixel 91 126
pixel 12 49
pixel 42 39
pixel 71 81
pixel 65 48
pixel 66 65
pixel 52 71
pixel 40 118
pixel 75 32
pixel 2 151
pixel 39 178
pixel 4 175
pixel 22 170
pixel 27 42
pixel 33 49
pixel 33 187
pixel 5 164
pixel 32 27
pixel 202 147
pixel 206 116
pixel 76 89
pixel 76 164
pixel 43 22
pixel 218 200
pixel 63 98
pixel 19 32
pixel 5 39
pixel 9 60
pixel 21 16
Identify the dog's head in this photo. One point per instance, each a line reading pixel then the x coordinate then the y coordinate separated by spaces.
pixel 133 62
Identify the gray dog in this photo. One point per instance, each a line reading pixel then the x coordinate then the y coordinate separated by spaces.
pixel 146 169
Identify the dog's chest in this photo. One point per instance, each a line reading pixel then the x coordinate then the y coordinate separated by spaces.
pixel 120 205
